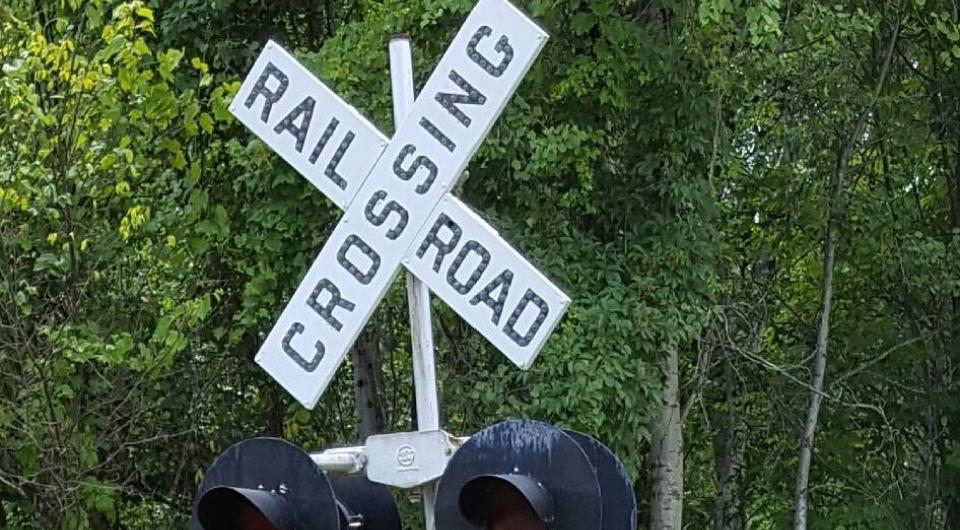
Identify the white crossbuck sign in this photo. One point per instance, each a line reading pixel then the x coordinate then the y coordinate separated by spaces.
pixel 397 201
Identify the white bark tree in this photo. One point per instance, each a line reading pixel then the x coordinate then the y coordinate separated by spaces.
pixel 666 451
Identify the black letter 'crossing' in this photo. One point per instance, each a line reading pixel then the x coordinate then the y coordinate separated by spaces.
pixel 503 46
pixel 326 310
pixel 377 219
pixel 362 277
pixel 420 161
pixel 450 101
pixel 310 366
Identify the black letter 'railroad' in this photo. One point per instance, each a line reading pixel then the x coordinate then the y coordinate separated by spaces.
pixel 509 329
pixel 260 89
pixel 470 246
pixel 443 248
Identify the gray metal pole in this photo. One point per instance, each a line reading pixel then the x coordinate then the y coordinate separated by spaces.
pixel 418 296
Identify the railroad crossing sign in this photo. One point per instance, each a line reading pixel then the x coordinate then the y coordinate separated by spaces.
pixel 397 201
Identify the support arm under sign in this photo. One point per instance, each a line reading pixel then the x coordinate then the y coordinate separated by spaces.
pixel 345 460
pixel 403 459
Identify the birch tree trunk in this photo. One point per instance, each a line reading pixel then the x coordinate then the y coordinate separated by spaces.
pixel 835 209
pixel 666 452
pixel 819 371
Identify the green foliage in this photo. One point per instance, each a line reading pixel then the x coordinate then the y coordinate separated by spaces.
pixel 668 163
pixel 102 290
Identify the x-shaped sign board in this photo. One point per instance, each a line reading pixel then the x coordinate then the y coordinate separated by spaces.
pixel 397 201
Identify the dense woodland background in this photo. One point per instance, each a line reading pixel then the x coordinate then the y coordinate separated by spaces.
pixel 754 204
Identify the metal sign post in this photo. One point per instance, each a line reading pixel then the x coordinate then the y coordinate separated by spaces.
pixel 418 296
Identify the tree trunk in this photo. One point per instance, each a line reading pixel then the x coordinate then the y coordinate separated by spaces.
pixel 275 412
pixel 835 209
pixel 366 370
pixel 955 226
pixel 953 185
pixel 801 497
pixel 952 500
pixel 729 448
pixel 666 452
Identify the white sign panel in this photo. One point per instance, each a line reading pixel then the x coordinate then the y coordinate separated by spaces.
pixel 519 278
pixel 456 109
pixel 315 131
pixel 486 281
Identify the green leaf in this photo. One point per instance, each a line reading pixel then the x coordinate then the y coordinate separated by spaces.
pixel 198 64
pixel 206 123
pixel 145 12
pixel 582 23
